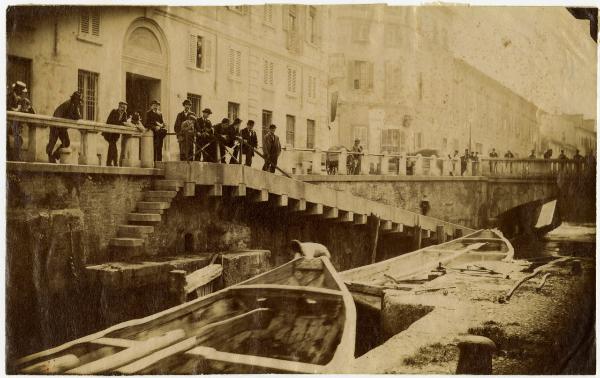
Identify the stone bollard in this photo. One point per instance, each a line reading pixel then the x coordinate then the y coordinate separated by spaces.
pixel 65 155
pixel 365 163
pixel 88 147
pixel 131 155
pixel 342 168
pixel 147 149
pixel 475 355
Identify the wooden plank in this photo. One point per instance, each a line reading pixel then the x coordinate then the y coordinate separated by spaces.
pixel 119 343
pixel 287 288
pixel 386 225
pixel 202 277
pixel 129 355
pixel 280 200
pixel 151 359
pixel 346 216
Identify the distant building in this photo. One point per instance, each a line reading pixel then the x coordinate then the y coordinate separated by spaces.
pixel 253 62
pixel 568 133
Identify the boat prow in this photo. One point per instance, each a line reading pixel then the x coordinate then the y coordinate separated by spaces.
pixel 297 318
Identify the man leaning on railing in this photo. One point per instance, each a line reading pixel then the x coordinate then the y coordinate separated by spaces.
pixel 70 109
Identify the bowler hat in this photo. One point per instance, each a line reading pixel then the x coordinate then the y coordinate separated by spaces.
pixel 236 121
pixel 19 84
pixel 123 103
pixel 155 102
pixel 272 127
pixel 225 120
pixel 207 110
pixel 76 94
pixel 186 102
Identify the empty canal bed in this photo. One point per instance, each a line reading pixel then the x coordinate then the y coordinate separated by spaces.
pixel 545 326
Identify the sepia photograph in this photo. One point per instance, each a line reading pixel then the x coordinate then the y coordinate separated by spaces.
pixel 376 188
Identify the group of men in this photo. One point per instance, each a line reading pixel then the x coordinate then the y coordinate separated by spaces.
pixel 17 101
pixel 224 142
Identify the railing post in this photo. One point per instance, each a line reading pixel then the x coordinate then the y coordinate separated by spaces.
pixel 433 166
pixel 131 155
pixel 385 164
pixel 476 171
pixel 88 147
pixel 446 167
pixel 469 171
pixel 418 168
pixel 147 149
pixel 402 165
pixel 343 160
pixel 316 162
pixel 38 140
pixel 365 163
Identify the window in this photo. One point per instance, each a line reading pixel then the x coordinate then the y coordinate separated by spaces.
pixel 268 14
pixel 292 18
pixel 87 84
pixel 290 130
pixel 360 31
pixel 235 63
pixel 291 80
pixel 390 141
pixel 312 87
pixel 312 26
pixel 19 69
pixel 89 23
pixel 196 101
pixel 267 73
pixel 392 35
pixel 233 110
pixel 241 9
pixel 362 74
pixel 199 52
pixel 310 133
pixel 360 132
pixel 267 119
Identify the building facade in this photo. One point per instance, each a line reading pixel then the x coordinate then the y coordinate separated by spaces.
pixel 253 62
pixel 400 79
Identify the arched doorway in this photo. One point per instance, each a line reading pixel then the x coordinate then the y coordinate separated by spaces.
pixel 145 66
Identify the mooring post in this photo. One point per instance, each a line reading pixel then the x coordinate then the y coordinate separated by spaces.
pixel 440 234
pixel 475 355
pixel 417 237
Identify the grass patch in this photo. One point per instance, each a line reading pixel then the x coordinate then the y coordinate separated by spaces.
pixel 432 354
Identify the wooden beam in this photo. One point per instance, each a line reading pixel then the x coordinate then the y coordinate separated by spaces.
pixel 440 234
pixel 260 196
pixel 330 212
pixel 346 216
pixel 314 209
pixel 360 219
pixel 189 189
pixel 240 190
pixel 215 190
pixel 297 205
pixel 397 228
pixel 386 225
pixel 280 200
pixel 426 233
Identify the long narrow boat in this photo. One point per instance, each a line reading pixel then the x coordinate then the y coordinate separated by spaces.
pixel 297 318
pixel 409 271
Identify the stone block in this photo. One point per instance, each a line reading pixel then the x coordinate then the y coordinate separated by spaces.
pixel 241 265
pixel 398 314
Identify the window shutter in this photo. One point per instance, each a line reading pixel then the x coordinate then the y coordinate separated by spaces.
pixel 238 64
pixel 84 22
pixel 370 75
pixel 207 54
pixel 230 60
pixel 192 51
pixel 96 24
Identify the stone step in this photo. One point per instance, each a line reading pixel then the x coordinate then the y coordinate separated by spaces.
pixel 134 231
pixel 150 211
pixel 126 242
pixel 145 205
pixel 169 185
pixel 159 195
pixel 143 217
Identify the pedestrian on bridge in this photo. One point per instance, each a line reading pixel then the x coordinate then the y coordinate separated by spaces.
pixel 272 149
pixel 154 122
pixel 186 136
pixel 115 117
pixel 70 109
pixel 233 134
pixel 221 137
pixel 181 118
pixel 509 155
pixel 250 142
pixel 205 146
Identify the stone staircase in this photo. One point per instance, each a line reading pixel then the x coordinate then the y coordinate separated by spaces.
pixel 132 238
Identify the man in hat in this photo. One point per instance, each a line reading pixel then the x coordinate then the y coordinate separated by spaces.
pixel 233 142
pixel 272 149
pixel 182 117
pixel 115 117
pixel 14 96
pixel 221 134
pixel 249 142
pixel 356 157
pixel 154 122
pixel 204 136
pixel 70 109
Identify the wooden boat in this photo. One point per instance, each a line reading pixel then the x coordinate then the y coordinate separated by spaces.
pixel 409 271
pixel 296 318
